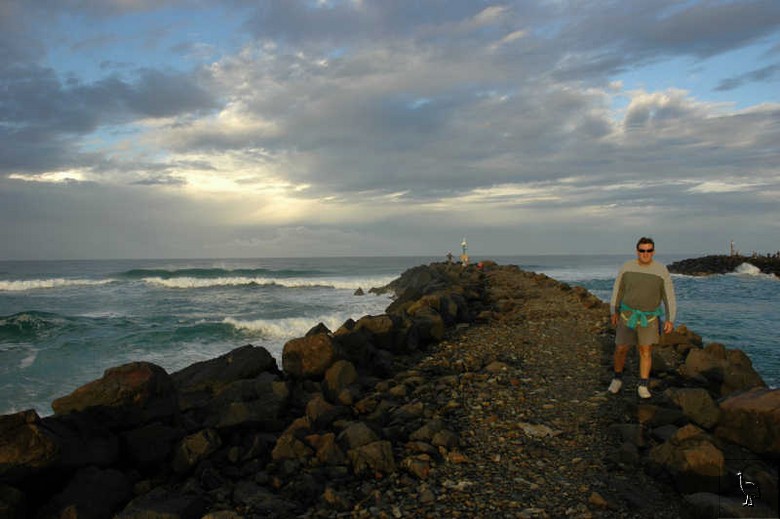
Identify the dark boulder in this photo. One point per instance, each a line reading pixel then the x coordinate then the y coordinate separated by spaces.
pixel 128 395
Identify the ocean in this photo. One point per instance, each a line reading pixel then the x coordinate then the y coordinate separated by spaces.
pixel 62 323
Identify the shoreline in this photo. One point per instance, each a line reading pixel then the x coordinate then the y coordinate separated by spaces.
pixel 359 417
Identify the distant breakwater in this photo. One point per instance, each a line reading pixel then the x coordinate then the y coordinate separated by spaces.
pixel 725 264
pixel 236 436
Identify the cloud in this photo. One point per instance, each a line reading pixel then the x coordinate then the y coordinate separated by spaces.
pixel 345 121
pixel 763 74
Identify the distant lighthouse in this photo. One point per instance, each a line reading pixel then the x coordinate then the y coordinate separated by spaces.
pixel 464 257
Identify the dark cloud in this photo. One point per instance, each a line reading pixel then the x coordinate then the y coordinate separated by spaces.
pixel 760 75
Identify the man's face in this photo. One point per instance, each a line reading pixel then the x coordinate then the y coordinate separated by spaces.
pixel 645 253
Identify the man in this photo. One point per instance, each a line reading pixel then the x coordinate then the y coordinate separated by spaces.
pixel 640 287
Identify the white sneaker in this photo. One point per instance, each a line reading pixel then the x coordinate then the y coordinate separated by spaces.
pixel 615 385
pixel 643 392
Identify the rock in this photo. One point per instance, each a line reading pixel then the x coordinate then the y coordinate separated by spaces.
pixel 83 440
pixel 357 435
pixel 13 504
pixel 25 446
pixel 320 328
pixel 418 466
pixel 212 375
pixel 715 364
pixel 92 493
pixel 697 405
pixel 359 292
pixel 160 503
pixel 596 499
pixel 327 451
pixel 444 438
pixel 633 433
pixel 128 395
pixel 708 504
pixel 258 402
pixel 194 448
pixel 308 357
pixel 338 377
pixel 651 415
pixel 692 459
pixel 150 444
pixel 752 419
pixel 375 457
pixel 322 413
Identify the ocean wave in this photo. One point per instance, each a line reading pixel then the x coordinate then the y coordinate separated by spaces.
pixel 285 328
pixel 26 324
pixel 214 273
pixel 38 284
pixel 748 269
pixel 336 283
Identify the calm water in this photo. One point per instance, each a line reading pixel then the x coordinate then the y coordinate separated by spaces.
pixel 62 323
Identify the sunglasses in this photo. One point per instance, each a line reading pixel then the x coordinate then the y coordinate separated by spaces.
pixel 645 251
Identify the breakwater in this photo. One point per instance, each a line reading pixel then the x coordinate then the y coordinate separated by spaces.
pixel 351 409
pixel 725 264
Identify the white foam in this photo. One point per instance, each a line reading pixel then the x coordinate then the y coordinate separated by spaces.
pixel 29 360
pixel 337 283
pixel 286 328
pixel 747 269
pixel 37 284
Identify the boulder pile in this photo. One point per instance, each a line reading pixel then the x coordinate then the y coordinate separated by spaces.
pixel 237 434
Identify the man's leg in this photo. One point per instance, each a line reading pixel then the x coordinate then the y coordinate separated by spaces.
pixel 645 361
pixel 621 350
pixel 645 365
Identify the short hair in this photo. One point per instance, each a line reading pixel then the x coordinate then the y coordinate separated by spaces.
pixel 645 239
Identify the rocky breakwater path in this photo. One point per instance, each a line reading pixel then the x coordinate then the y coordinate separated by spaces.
pixel 725 264
pixel 480 393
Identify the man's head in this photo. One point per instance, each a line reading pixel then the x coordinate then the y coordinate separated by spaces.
pixel 645 248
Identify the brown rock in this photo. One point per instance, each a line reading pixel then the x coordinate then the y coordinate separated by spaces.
pixel 131 394
pixel 25 446
pixel 194 448
pixel 374 457
pixel 697 405
pixel 694 462
pixel 752 419
pixel 339 376
pixel 308 357
pixel 211 375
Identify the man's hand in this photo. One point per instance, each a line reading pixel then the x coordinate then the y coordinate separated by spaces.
pixel 668 327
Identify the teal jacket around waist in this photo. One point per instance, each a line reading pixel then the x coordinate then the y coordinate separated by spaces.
pixel 638 317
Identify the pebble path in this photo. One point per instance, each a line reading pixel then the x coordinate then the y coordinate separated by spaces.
pixel 526 394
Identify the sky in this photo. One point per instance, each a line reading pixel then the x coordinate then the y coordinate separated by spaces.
pixel 281 128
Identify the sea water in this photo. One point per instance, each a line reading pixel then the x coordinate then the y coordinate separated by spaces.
pixel 62 323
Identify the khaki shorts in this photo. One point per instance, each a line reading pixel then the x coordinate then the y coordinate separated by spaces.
pixel 642 335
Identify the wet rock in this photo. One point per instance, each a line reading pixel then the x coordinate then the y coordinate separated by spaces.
pixel 204 379
pixel 25 446
pixel 194 448
pixel 697 405
pixel 128 395
pixel 256 402
pixel 92 493
pixel 161 503
pixel 339 377
pixel 752 419
pixel 150 445
pixel 375 457
pixel 13 504
pixel 308 357
pixel 357 435
pixel 692 459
